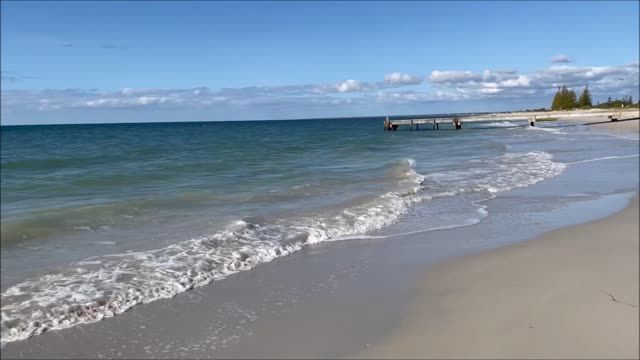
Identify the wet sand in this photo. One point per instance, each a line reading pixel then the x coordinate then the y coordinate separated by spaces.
pixel 332 300
pixel 573 293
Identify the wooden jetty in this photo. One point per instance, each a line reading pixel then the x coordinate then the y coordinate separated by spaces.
pixel 434 123
pixel 456 122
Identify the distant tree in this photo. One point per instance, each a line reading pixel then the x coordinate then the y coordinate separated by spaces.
pixel 585 98
pixel 555 104
pixel 564 95
pixel 565 98
pixel 609 100
pixel 572 102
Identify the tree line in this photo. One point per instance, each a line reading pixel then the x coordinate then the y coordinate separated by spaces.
pixel 565 99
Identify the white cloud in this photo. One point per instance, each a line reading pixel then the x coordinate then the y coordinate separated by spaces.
pixel 521 81
pixel 414 97
pixel 391 80
pixel 490 91
pixel 349 86
pixel 400 78
pixel 620 78
pixel 449 85
pixel 561 59
pixel 445 77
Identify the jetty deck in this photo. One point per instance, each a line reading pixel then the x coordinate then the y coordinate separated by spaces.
pixel 434 123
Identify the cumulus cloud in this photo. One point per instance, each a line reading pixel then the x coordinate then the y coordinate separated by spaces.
pixel 561 59
pixel 391 80
pixel 445 78
pixel 494 83
pixel 415 97
pixel 130 98
pixel 342 87
pixel 451 77
pixel 446 85
pixel 349 86
pixel 193 98
pixel 400 78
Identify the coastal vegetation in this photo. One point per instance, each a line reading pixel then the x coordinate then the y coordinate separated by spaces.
pixel 626 102
pixel 565 99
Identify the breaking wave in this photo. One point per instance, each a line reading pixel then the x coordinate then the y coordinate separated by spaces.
pixel 104 286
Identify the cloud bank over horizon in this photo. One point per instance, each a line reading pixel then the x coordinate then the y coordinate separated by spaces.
pixel 349 97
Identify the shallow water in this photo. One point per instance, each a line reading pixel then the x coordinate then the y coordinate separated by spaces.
pixel 99 218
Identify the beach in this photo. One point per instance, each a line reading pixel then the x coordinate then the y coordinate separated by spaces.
pixel 210 281
pixel 599 118
pixel 572 293
pixel 319 180
pixel 617 127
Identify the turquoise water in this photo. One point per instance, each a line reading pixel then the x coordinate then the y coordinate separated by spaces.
pixel 99 218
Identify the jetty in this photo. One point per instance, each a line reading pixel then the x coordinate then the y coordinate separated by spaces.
pixel 457 122
pixel 434 123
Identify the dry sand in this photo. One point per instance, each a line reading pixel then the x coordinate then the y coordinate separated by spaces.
pixel 573 293
pixel 602 121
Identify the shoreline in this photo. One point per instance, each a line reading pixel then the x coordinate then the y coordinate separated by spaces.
pixel 570 293
pixel 328 300
pixel 576 114
pixel 601 121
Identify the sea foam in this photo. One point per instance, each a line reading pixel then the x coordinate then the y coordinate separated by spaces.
pixel 104 286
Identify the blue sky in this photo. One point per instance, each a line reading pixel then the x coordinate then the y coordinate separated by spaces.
pixel 116 61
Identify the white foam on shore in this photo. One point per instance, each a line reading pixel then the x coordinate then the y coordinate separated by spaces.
pixel 104 286
pixel 547 129
pixel 604 158
pixel 504 124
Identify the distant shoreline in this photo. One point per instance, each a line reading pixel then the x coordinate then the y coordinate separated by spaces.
pixel 555 113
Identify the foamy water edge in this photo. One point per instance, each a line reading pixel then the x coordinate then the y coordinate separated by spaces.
pixel 102 287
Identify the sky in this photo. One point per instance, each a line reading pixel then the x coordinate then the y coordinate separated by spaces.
pixel 126 61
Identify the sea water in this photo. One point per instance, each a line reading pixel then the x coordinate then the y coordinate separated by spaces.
pixel 99 218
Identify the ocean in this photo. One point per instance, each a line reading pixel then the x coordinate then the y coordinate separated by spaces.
pixel 97 219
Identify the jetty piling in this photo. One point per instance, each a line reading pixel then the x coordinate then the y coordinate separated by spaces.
pixel 614 117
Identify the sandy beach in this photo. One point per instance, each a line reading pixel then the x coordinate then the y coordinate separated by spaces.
pixel 319 180
pixel 619 126
pixel 426 293
pixel 573 293
pixel 629 121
